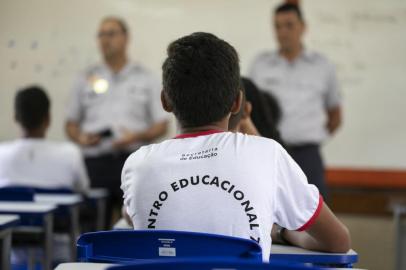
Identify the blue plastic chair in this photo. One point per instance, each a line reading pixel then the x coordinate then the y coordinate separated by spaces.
pixel 53 190
pixel 13 194
pixel 21 194
pixel 210 265
pixel 126 246
pixel 27 193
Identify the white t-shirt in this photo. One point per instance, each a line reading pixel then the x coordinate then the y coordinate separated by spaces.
pixel 223 183
pixel 43 164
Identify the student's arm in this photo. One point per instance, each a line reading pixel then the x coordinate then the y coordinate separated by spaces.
pixel 74 133
pixel 326 234
pixel 246 125
pixel 155 131
pixel 334 119
pixel 299 207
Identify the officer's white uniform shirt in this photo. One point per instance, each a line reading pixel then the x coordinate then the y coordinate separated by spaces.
pixel 223 183
pixel 42 163
pixel 305 89
pixel 103 100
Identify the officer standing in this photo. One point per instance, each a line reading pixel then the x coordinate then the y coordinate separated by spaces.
pixel 305 85
pixel 114 109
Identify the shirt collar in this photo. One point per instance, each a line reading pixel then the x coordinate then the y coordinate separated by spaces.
pixel 197 134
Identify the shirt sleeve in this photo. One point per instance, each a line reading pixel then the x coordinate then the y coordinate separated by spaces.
pixel 129 178
pixel 155 110
pixel 74 110
pixel 297 203
pixel 333 96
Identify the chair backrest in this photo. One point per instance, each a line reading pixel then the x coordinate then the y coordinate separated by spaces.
pixel 12 193
pixel 27 193
pixel 211 265
pixel 124 246
pixel 53 190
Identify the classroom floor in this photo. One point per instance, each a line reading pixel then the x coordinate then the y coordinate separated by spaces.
pixel 374 240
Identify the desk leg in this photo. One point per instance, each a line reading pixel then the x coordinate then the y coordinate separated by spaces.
pixel 48 241
pixel 101 214
pixel 74 229
pixel 400 239
pixel 5 239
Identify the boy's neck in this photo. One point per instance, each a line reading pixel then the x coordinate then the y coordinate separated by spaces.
pixel 221 125
pixel 34 134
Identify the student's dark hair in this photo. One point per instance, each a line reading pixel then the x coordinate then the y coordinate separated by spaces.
pixel 201 78
pixel 121 23
pixel 31 107
pixel 266 111
pixel 287 7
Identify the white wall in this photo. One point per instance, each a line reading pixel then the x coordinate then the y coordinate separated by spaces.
pixel 49 41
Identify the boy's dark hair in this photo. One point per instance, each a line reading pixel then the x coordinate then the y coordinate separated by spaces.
pixel 286 7
pixel 31 107
pixel 201 78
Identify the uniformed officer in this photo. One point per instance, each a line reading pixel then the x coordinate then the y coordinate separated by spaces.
pixel 305 84
pixel 114 109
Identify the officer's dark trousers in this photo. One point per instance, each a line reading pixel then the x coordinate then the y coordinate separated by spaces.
pixel 105 172
pixel 309 158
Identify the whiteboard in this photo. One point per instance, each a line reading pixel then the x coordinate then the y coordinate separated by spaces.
pixel 49 41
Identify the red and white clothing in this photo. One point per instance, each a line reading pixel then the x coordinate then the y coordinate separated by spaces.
pixel 218 182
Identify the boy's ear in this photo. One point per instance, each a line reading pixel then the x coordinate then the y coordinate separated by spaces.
pixel 165 102
pixel 237 103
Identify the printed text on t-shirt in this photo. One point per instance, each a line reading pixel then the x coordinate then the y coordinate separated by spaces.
pixel 224 185
pixel 208 153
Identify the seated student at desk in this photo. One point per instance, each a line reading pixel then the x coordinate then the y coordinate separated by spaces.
pixel 34 161
pixel 210 180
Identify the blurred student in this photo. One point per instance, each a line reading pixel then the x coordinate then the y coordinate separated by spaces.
pixel 304 83
pixel 265 110
pixel 241 121
pixel 210 180
pixel 34 161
